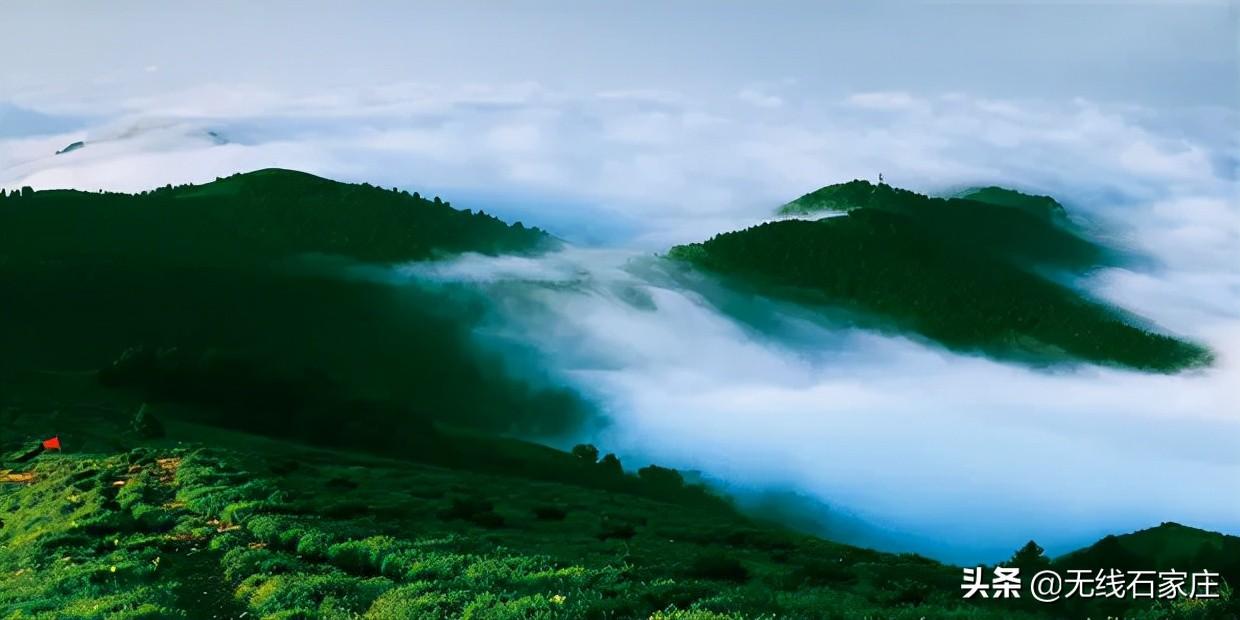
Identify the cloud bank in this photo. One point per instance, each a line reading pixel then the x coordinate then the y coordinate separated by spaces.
pixel 968 456
pixel 665 166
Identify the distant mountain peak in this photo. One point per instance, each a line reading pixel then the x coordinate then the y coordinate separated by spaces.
pixel 1004 197
pixel 968 272
pixel 838 197
pixel 267 214
pixel 1164 546
pixel 858 193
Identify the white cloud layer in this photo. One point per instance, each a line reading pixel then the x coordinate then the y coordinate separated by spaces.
pixel 676 167
pixel 975 455
pixel 967 457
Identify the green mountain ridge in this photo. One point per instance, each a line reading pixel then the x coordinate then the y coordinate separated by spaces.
pixel 858 193
pixel 1033 230
pixel 220 271
pixel 1042 206
pixel 1167 546
pixel 249 217
pixel 966 273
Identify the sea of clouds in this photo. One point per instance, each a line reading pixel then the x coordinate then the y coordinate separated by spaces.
pixel 956 456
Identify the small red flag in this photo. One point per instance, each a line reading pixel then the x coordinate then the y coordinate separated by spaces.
pixel 52 444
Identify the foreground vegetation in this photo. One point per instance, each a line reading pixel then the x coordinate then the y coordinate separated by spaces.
pixel 146 515
pixel 966 273
pixel 126 526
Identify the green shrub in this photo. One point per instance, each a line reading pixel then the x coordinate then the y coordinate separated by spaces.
pixel 676 614
pixel 66 540
pixel 570 578
pixel 227 541
pixel 208 501
pixel 289 538
pixel 362 556
pixel 440 566
pixel 239 512
pixel 242 562
pixel 138 489
pixel 314 544
pixel 668 593
pixel 399 564
pixel 266 528
pixel 505 572
pixel 153 518
pixel 307 593
pixel 488 606
pixel 108 522
pixel 418 600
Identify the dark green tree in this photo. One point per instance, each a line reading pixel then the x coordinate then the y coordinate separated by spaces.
pixel 586 452
pixel 611 465
pixel 661 478
pixel 1030 558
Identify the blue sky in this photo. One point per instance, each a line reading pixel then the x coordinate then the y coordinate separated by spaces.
pixel 1181 52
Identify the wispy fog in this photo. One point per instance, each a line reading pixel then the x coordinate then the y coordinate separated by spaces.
pixel 957 456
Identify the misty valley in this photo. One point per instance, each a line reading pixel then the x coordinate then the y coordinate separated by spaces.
pixel 282 396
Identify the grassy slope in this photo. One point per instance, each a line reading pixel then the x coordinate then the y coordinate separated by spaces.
pixel 211 523
pixel 965 273
pixel 209 518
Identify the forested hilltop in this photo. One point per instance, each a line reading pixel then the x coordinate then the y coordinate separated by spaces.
pixel 969 273
pixel 207 275
pixel 1033 230
pixel 264 214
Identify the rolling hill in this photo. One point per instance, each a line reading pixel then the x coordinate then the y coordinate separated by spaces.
pixel 261 215
pixel 1033 231
pixel 264 266
pixel 970 274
